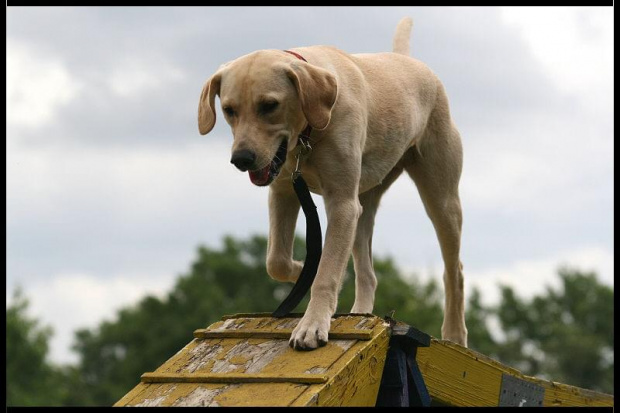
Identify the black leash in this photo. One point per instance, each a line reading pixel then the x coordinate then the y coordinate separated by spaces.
pixel 314 239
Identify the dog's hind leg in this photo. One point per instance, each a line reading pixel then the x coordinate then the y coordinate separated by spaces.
pixel 365 279
pixel 436 171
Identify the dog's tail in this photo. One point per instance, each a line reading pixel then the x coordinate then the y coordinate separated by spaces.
pixel 401 38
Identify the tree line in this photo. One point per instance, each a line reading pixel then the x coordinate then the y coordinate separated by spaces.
pixel 564 334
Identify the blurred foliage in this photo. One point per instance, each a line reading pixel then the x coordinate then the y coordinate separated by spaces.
pixel 31 379
pixel 565 335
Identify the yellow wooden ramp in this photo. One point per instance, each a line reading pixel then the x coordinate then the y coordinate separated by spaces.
pixel 457 376
pixel 245 360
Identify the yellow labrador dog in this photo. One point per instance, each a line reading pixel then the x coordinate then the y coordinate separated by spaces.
pixel 372 116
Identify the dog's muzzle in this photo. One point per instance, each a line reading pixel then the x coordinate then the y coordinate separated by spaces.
pixel 264 176
pixel 243 159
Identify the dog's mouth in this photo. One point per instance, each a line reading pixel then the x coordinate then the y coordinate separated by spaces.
pixel 264 176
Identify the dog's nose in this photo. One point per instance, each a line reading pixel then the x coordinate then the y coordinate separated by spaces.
pixel 243 159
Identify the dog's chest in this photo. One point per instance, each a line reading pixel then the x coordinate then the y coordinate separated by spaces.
pixel 311 176
pixel 308 172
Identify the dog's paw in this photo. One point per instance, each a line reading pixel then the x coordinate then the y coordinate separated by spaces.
pixel 361 308
pixel 456 334
pixel 284 270
pixel 310 333
pixel 296 271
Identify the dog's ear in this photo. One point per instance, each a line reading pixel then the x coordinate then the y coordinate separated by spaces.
pixel 206 106
pixel 317 89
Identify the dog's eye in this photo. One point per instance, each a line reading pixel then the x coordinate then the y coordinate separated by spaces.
pixel 228 111
pixel 265 108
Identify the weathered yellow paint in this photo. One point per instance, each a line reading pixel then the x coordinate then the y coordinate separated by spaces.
pixel 282 334
pixel 246 361
pixel 291 315
pixel 361 370
pixel 132 395
pixel 457 376
pixel 232 378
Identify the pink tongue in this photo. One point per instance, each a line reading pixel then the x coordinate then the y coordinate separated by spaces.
pixel 260 177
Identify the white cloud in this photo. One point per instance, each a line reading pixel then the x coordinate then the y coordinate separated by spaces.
pixel 133 76
pixel 545 164
pixel 574 45
pixel 36 86
pixel 68 302
pixel 138 183
pixel 526 276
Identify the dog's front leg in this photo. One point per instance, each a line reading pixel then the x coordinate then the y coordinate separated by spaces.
pixel 342 214
pixel 283 211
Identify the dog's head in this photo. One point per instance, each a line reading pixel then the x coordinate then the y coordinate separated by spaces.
pixel 267 98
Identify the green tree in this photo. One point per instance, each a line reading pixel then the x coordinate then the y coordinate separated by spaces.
pixel 566 334
pixel 413 302
pixel 541 335
pixel 227 281
pixel 31 380
pixel 477 317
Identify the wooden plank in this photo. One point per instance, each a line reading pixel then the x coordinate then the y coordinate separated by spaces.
pixel 258 315
pixel 359 370
pixel 558 394
pixel 133 394
pixel 271 324
pixel 150 396
pixel 280 334
pixel 245 360
pixel 240 395
pixel 291 315
pixel 457 376
pixel 252 355
pixel 232 378
pixel 192 394
pixel 355 377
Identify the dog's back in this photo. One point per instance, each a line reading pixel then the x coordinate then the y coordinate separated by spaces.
pixel 391 93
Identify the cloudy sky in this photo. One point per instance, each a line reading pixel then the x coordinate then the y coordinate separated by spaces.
pixel 110 187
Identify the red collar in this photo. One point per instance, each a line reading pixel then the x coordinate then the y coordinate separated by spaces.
pixel 297 55
pixel 305 134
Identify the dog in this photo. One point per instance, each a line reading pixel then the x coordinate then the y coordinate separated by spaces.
pixel 373 116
